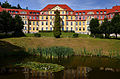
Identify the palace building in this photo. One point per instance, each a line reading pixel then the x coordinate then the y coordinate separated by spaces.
pixel 72 20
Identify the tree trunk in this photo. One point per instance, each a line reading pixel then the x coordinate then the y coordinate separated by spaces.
pixel 116 35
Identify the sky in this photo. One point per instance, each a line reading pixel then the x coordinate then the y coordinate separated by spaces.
pixel 74 4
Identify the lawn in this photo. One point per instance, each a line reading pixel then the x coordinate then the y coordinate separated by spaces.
pixel 76 43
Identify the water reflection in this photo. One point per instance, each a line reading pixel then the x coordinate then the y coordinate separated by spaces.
pixel 78 73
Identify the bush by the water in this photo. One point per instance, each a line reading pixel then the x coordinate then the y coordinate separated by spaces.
pixel 52 51
pixel 37 35
pixel 44 67
pixel 75 35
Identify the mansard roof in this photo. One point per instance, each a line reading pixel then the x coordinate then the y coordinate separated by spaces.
pixel 63 6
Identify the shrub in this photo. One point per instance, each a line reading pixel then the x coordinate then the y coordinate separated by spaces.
pixel 75 35
pixel 37 35
pixel 18 34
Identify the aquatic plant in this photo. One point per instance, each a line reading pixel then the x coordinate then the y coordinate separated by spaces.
pixel 44 67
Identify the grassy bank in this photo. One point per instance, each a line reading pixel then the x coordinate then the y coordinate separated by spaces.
pixel 64 34
pixel 76 43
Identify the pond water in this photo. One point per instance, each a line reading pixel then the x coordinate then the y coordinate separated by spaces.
pixel 76 67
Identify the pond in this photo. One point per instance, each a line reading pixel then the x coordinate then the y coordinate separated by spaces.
pixel 76 67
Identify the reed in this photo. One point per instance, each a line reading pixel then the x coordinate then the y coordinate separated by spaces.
pixel 54 51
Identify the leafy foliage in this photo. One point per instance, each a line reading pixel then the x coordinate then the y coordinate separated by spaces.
pixel 57 25
pixel 106 28
pixel 75 35
pixel 7 5
pixel 94 26
pixel 115 22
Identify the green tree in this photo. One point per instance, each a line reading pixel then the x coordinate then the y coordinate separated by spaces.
pixel 57 25
pixel 94 26
pixel 6 21
pixel 18 26
pixel 18 6
pixel 115 22
pixel 105 28
pixel 6 5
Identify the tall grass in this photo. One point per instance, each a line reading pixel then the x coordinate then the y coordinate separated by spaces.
pixel 99 53
pixel 52 51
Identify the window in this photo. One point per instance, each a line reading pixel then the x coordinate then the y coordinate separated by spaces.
pixel 76 23
pixel 83 28
pixel 29 22
pixel 97 12
pixel 88 22
pixel 71 28
pixel 42 23
pixel 67 23
pixel 29 28
pixel 34 13
pixel 66 28
pixel 83 13
pixel 104 12
pixel 50 17
pixel 62 12
pixel 46 17
pixel 111 16
pixel 46 23
pixel 50 12
pixel 62 28
pixel 79 13
pixel 76 17
pixel 62 22
pixel 66 17
pixel 33 28
pixel 46 28
pixel 33 17
pixel 83 17
pixel 16 11
pixel 29 17
pixel 50 28
pixel 9 11
pixel 33 23
pixel 37 28
pixel 71 17
pixel 42 17
pixel 71 12
pixel 101 12
pixel 23 12
pixel 62 17
pixel 97 17
pixel 47 12
pixel 79 23
pixel 79 17
pixel 30 12
pixel 42 28
pixel 71 23
pixel 37 23
pixel 101 17
pixel 25 28
pixel 25 22
pixel 50 23
pixel 37 17
pixel 76 28
pixel 38 13
pixel 105 16
pixel 80 28
pixel 83 23
pixel 67 12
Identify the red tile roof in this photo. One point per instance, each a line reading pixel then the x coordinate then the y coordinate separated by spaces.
pixel 0 9
pixel 50 6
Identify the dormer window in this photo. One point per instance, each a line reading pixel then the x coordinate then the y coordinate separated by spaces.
pixel 23 12
pixel 101 12
pixel 50 12
pixel 83 13
pixel 30 12
pixel 77 13
pixel 97 12
pixel 71 12
pixel 34 13
pixel 104 12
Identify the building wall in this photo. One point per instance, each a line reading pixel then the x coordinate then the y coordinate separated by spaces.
pixel 77 21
